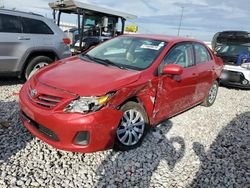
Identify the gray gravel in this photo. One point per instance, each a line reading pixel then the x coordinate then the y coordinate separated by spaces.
pixel 203 147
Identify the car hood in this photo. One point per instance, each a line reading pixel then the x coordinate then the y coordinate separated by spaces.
pixel 85 78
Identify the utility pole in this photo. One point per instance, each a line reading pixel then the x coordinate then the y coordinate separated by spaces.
pixel 1 4
pixel 182 10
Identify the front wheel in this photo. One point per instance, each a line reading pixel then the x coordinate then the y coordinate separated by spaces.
pixel 132 128
pixel 209 101
pixel 35 64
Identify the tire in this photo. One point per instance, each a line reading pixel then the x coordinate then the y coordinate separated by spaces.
pixel 135 133
pixel 212 94
pixel 35 64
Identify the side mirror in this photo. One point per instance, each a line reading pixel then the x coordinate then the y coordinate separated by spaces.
pixel 172 69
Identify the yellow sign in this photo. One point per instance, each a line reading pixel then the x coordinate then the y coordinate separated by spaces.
pixel 131 28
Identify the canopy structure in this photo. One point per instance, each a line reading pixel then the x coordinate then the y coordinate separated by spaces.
pixel 105 21
pixel 71 6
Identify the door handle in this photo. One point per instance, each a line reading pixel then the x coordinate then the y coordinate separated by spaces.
pixel 23 38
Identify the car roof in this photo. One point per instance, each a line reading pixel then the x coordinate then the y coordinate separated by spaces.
pixel 20 12
pixel 167 38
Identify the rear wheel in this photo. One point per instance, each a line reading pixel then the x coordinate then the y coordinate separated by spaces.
pixel 209 101
pixel 132 128
pixel 35 64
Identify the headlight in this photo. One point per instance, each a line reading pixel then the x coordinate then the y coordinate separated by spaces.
pixel 87 104
pixel 245 65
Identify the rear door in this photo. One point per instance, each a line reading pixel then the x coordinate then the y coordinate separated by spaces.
pixel 205 69
pixel 176 93
pixel 39 32
pixel 13 43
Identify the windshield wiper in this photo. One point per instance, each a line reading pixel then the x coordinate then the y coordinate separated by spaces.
pixel 112 63
pixel 105 62
pixel 87 56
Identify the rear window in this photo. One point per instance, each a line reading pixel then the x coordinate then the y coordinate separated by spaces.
pixel 9 24
pixel 201 54
pixel 35 27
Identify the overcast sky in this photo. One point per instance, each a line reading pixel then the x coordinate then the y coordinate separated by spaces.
pixel 201 18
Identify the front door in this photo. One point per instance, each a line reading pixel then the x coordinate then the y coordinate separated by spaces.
pixel 176 93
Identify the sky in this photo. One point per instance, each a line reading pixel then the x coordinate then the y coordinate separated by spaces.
pixel 201 18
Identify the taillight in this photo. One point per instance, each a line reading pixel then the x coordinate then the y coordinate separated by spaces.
pixel 66 41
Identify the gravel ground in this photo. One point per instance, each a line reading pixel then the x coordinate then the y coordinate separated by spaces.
pixel 203 147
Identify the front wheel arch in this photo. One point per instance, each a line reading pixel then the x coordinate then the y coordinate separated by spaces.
pixel 35 61
pixel 130 99
pixel 34 53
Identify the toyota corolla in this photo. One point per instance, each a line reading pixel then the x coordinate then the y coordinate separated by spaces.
pixel 111 95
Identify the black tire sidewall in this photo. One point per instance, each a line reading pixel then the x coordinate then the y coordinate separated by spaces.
pixel 118 146
pixel 33 62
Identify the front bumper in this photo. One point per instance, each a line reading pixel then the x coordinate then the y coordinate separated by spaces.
pixel 235 76
pixel 60 129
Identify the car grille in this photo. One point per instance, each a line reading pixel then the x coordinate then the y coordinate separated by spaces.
pixel 234 76
pixel 40 128
pixel 45 100
pixel 48 101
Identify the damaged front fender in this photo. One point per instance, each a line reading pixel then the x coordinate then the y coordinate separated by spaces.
pixel 144 93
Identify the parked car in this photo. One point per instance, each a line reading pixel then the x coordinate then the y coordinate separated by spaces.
pixel 28 42
pixel 114 93
pixel 234 48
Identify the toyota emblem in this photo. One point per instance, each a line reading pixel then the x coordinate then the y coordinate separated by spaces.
pixel 33 92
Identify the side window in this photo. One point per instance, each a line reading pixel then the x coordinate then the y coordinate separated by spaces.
pixel 182 54
pixel 35 27
pixel 201 54
pixel 9 24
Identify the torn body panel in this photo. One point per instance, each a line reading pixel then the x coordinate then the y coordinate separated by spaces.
pixel 145 93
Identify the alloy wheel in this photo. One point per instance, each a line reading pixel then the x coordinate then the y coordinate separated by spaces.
pixel 131 127
pixel 36 68
pixel 212 93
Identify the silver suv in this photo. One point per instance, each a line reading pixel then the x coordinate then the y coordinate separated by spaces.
pixel 28 42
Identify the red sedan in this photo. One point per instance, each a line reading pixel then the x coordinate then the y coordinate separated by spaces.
pixel 111 95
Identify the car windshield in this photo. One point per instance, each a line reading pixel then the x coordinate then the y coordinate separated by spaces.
pixel 232 50
pixel 127 52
